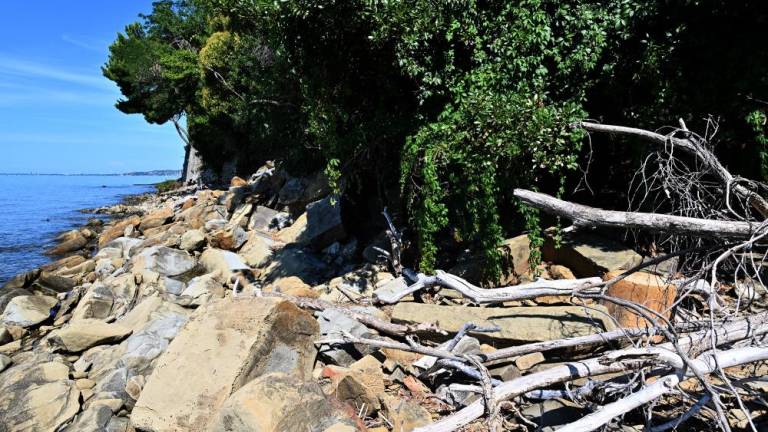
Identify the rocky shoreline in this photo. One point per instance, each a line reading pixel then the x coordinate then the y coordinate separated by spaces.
pixel 202 310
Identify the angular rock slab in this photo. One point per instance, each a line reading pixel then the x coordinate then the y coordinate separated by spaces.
pixel 227 344
pixel 27 311
pixel 83 334
pixel 590 255
pixel 516 324
pixel 278 402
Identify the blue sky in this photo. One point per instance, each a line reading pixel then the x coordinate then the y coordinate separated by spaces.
pixel 57 112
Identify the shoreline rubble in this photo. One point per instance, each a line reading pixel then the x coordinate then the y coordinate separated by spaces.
pixel 216 310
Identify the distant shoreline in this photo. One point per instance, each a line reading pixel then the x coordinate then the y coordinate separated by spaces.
pixel 130 174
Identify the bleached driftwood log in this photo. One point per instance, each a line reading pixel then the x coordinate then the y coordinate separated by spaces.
pixel 705 364
pixel 693 147
pixel 585 216
pixel 723 334
pixel 540 288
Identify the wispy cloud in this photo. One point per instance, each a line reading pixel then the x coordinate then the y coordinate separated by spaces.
pixel 20 68
pixel 85 42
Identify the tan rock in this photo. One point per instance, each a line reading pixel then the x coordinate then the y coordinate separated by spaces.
pixel 192 240
pixel 222 262
pixel 134 386
pixel 527 361
pixel 292 286
pixel 257 251
pixel 227 344
pixel 40 408
pixel 117 229
pixel 278 402
pixel 156 219
pixel 70 242
pixel 590 255
pixel 561 272
pixel 237 182
pixel 80 335
pixel 646 289
pixel 406 416
pixel 517 324
pixel 85 383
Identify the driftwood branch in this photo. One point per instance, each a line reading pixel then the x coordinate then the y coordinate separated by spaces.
pixel 584 216
pixel 694 148
pixel 705 364
pixel 721 335
pixel 540 288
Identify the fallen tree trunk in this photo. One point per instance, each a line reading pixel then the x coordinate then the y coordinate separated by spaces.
pixel 693 148
pixel 585 216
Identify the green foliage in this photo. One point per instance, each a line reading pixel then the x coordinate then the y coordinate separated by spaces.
pixel 454 103
pixel 167 186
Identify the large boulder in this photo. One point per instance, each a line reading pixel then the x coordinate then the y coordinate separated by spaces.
pixel 226 345
pixel 27 311
pixel 83 334
pixel 590 255
pixel 278 402
pixel 37 395
pixel 167 261
pixel 516 324
pixel 71 241
pixel 318 227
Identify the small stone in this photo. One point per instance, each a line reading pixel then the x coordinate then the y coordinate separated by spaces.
pixel 527 361
pixel 79 374
pixel 113 404
pixel 192 240
pixel 85 383
pixel 561 272
pixel 237 182
pixel 134 386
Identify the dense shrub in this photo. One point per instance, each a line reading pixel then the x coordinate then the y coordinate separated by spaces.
pixel 455 102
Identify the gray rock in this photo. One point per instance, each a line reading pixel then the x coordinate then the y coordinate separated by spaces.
pixel 126 245
pixel 7 294
pixel 94 419
pixel 173 286
pixel 216 224
pixel 261 219
pixel 292 261
pixel 5 361
pixel 167 261
pixel 201 289
pixel 96 303
pixel 54 282
pixel 104 267
pixel 334 323
pixel 27 311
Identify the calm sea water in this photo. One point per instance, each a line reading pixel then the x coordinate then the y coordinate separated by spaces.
pixel 34 209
